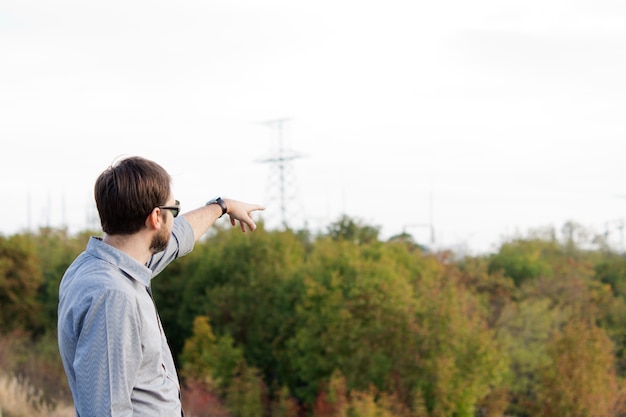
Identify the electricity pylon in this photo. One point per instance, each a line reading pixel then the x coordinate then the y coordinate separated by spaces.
pixel 280 160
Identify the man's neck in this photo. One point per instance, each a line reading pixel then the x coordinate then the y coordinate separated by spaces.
pixel 134 245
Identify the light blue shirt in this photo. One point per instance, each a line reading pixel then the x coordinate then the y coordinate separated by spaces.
pixel 114 350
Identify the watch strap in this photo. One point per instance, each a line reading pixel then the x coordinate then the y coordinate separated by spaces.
pixel 219 202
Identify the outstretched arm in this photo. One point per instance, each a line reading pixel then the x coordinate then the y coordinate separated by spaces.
pixel 202 218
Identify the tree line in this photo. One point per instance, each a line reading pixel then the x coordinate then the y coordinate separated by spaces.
pixel 291 324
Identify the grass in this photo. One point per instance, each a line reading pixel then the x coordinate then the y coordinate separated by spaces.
pixel 18 398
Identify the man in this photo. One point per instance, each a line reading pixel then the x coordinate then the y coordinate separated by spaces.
pixel 114 351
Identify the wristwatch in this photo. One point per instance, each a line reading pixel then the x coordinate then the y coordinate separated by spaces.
pixel 219 202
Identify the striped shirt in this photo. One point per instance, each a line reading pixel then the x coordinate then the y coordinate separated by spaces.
pixel 115 354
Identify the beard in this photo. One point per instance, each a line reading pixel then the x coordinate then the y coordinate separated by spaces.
pixel 160 241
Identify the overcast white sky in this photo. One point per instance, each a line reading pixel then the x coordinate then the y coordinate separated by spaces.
pixel 485 118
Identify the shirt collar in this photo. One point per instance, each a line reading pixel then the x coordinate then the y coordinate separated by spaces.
pixel 120 259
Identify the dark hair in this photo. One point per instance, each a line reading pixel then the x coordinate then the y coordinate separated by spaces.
pixel 127 191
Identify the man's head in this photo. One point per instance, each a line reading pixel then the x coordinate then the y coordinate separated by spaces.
pixel 128 191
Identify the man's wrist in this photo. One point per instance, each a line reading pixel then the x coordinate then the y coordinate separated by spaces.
pixel 219 202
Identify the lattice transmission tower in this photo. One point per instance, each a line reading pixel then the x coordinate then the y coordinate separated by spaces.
pixel 282 184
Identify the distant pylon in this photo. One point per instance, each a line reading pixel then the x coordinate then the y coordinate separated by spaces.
pixel 280 160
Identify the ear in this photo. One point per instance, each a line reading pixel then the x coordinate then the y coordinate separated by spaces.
pixel 154 220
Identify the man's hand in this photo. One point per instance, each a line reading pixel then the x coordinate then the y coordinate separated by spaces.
pixel 238 210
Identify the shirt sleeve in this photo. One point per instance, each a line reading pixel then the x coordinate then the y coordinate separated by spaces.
pixel 108 356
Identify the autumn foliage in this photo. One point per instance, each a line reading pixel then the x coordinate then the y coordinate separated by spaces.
pixel 342 324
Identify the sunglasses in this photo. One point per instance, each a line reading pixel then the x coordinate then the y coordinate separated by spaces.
pixel 175 209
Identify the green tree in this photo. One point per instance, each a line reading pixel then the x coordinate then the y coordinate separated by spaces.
pixel 495 290
pixel 611 269
pixel 386 316
pixel 461 360
pixel 354 317
pixel 352 230
pixel 525 259
pixel 56 250
pixel 524 329
pixel 20 278
pixel 209 359
pixel 248 284
pixel 556 284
